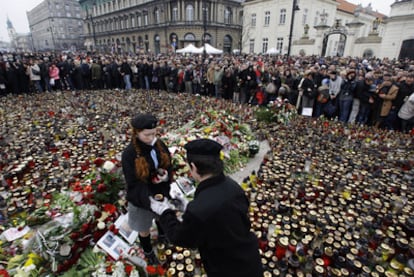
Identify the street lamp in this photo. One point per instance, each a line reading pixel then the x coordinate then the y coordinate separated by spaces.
pixel 204 29
pixel 90 17
pixel 31 36
pixel 295 8
pixel 50 29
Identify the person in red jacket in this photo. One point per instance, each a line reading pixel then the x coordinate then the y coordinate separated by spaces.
pixel 54 77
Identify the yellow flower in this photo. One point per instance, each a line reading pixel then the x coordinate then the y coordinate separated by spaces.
pixel 32 259
pixel 221 155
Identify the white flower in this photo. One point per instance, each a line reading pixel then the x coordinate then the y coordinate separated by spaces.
pixel 108 166
pixel 101 225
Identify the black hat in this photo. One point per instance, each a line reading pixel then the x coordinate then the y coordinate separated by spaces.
pixel 144 121
pixel 203 147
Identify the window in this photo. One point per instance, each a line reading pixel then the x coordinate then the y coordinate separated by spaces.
pixel 279 44
pixel 267 18
pixel 189 37
pixel 253 20
pixel 139 21
pixel 305 16
pixel 251 46
pixel 265 45
pixel 126 23
pixel 175 14
pixel 67 7
pixel 282 19
pixel 227 16
pixel 208 38
pixel 189 13
pixel 132 21
pixel 157 16
pixel 146 19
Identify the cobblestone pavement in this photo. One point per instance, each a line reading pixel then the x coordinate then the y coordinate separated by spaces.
pixel 254 163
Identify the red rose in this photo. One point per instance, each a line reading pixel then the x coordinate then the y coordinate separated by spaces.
pixel 128 269
pixel 113 229
pixel 151 270
pixel 84 228
pixel 4 273
pixel 101 187
pixel 160 270
pixel 74 235
pixel 109 208
pixel 99 162
pixel 97 214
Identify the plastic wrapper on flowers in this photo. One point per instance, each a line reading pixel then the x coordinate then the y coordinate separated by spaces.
pixel 225 128
pixel 70 223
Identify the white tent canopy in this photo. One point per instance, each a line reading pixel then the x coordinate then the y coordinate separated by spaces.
pixel 210 50
pixel 188 49
pixel 272 51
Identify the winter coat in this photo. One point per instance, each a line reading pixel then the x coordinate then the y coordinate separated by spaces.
pixel 216 222
pixel 138 191
pixel 390 91
pixel 407 110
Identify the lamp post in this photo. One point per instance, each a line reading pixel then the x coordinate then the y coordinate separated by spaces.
pixel 204 29
pixel 295 8
pixel 50 29
pixel 31 37
pixel 90 17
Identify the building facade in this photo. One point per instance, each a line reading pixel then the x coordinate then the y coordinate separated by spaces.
pixel 160 26
pixel 18 42
pixel 312 27
pixel 398 37
pixel 56 25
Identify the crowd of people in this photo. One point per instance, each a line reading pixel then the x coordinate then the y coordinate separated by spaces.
pixel 373 92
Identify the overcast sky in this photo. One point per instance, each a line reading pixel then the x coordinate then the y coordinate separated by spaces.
pixel 16 11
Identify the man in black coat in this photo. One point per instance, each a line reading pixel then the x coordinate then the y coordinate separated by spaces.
pixel 216 221
pixel 365 91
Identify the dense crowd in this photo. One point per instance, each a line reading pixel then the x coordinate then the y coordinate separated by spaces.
pixel 374 92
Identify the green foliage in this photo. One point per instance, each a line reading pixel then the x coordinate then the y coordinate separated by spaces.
pixel 265 114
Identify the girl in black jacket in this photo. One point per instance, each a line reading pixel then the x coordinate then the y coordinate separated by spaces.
pixel 146 163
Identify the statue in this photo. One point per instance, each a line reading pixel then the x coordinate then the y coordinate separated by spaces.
pixel 306 29
pixel 375 24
